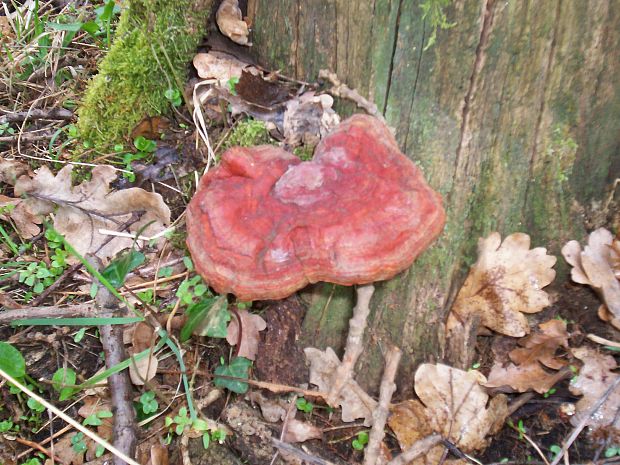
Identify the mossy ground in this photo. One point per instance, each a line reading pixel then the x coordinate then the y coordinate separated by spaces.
pixel 154 43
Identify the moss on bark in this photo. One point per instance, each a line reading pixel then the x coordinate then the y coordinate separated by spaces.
pixel 154 42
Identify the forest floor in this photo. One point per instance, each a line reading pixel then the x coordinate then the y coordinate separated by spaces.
pixel 537 386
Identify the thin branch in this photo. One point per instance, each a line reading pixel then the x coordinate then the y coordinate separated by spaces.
pixel 355 343
pixel 53 114
pixel 381 413
pixel 124 432
pixel 421 447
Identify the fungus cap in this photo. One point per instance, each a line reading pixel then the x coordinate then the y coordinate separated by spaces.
pixel 264 224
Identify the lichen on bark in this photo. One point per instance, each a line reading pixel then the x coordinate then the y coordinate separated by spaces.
pixel 155 40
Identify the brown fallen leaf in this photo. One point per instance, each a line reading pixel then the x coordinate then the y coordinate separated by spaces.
pixel 354 402
pixel 301 431
pixel 458 407
pixel 594 266
pixel 218 65
pixel 80 212
pixel 230 22
pixel 504 283
pixel 542 346
pixel 26 222
pixel 409 423
pixel 10 170
pixel 595 377
pixel 143 370
pixel 251 326
pixel 527 373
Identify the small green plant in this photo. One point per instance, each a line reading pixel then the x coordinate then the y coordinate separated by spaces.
pixel 7 426
pixel 555 450
pixel 519 427
pixel 232 85
pixel 78 444
pixel 6 129
pixel 238 368
pixel 174 97
pixel 304 406
pixel 144 149
pixel 148 402
pixel 32 461
pixel 192 289
pixel 612 451
pixel 95 419
pixel 360 440
pixel 550 392
pixel 100 29
pixel 63 381
pixel 182 421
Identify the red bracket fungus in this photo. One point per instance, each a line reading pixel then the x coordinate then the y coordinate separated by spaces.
pixel 264 224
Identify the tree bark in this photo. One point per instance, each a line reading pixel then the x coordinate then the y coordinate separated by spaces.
pixel 512 114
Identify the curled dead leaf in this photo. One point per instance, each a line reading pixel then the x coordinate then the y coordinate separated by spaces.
pixel 595 267
pixel 251 326
pixel 505 282
pixel 230 22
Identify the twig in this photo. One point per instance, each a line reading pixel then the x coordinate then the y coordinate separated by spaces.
pixel 67 418
pixel 355 343
pixel 39 447
pixel 120 388
pixel 380 415
pixel 343 91
pixel 416 450
pixel 603 341
pixel 584 421
pixel 27 137
pixel 299 453
pixel 73 311
pixel 53 114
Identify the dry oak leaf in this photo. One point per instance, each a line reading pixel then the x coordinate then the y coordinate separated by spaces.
pixel 595 377
pixel 353 400
pixel 26 222
pixel 218 65
pixel 11 170
pixel 251 326
pixel 409 423
pixel 81 211
pixel 230 22
pixel 457 406
pixel 594 266
pixel 504 283
pixel 538 348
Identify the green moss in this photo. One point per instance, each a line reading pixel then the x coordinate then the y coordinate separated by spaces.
pixel 248 133
pixel 154 42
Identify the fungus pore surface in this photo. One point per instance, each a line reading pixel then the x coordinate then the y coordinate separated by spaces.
pixel 263 224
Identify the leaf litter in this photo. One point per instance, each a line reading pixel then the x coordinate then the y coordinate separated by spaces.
pixel 504 285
